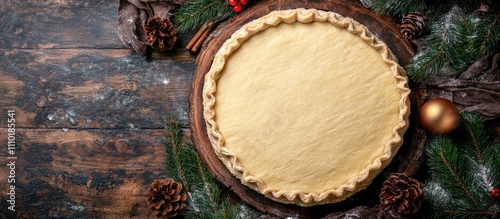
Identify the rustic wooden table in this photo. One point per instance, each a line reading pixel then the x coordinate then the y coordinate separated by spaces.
pixel 89 112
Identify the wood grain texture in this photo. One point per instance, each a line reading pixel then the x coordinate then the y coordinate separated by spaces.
pixel 381 26
pixel 59 24
pixel 92 88
pixel 83 173
pixel 89 111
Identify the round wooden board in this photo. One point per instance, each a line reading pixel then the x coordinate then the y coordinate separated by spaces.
pixel 407 159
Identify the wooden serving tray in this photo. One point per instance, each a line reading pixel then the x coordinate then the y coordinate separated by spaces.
pixel 407 159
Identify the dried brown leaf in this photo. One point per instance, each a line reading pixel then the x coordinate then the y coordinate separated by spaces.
pixel 133 14
pixel 477 89
pixel 130 21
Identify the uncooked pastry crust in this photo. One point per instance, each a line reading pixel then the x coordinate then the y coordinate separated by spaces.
pixel 299 117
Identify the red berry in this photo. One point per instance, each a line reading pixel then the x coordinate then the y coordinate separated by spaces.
pixel 237 8
pixel 232 2
pixel 495 192
pixel 243 2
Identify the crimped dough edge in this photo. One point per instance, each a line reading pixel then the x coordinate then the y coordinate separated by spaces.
pixel 355 184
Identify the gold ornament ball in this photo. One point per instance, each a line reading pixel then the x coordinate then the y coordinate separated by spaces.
pixel 439 116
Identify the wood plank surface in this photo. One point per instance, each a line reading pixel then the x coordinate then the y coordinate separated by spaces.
pixel 91 173
pixel 94 88
pixel 89 111
pixel 54 24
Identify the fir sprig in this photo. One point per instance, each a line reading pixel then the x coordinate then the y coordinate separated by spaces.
pixel 459 35
pixel 204 195
pixel 490 34
pixel 464 169
pixel 397 7
pixel 191 15
pixel 454 44
pixel 434 56
pixel 433 9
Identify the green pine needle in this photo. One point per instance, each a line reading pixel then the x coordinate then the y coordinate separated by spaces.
pixel 463 51
pixel 477 36
pixel 191 15
pixel 456 41
pixel 459 35
pixel 397 7
pixel 432 9
pixel 491 34
pixel 426 63
pixel 464 170
pixel 433 58
pixel 204 195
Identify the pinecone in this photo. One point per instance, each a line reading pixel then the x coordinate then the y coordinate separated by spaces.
pixel 166 197
pixel 401 194
pixel 160 33
pixel 412 25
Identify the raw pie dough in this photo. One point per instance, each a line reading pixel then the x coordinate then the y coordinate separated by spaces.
pixel 305 106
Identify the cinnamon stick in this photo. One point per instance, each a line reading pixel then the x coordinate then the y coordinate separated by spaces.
pixel 200 36
pixel 197 36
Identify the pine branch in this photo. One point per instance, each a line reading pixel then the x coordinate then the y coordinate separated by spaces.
pixel 463 52
pixel 432 9
pixel 453 172
pixel 397 7
pixel 491 38
pixel 173 151
pixel 426 63
pixel 206 183
pixel 477 36
pixel 456 41
pixel 463 171
pixel 458 37
pixel 191 15
pixel 476 143
pixel 475 134
pixel 467 214
pixel 430 61
pixel 185 165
